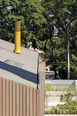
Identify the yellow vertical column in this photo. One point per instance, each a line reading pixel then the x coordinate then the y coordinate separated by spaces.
pixel 17 37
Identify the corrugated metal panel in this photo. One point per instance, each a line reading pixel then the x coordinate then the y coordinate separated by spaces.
pixel 17 99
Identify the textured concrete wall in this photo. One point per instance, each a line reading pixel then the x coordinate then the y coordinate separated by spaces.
pixel 42 87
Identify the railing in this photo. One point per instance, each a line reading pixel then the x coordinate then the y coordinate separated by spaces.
pixel 60 99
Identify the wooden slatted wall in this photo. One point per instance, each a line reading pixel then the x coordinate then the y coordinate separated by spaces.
pixel 17 99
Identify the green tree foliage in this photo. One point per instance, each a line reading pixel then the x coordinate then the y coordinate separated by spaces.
pixel 29 12
pixel 44 23
pixel 8 15
pixel 63 14
pixel 33 19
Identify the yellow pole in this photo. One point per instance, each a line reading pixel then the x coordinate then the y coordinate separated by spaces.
pixel 17 37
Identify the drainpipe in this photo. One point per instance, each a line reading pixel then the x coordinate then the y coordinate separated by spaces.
pixel 17 37
pixel 38 72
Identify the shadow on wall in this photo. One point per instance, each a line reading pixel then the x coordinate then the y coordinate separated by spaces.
pixel 20 72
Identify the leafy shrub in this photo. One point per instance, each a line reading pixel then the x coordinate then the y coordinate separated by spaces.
pixel 48 86
pixel 70 107
pixel 47 112
pixel 53 110
pixel 66 97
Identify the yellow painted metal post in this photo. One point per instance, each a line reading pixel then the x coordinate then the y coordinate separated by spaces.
pixel 17 37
